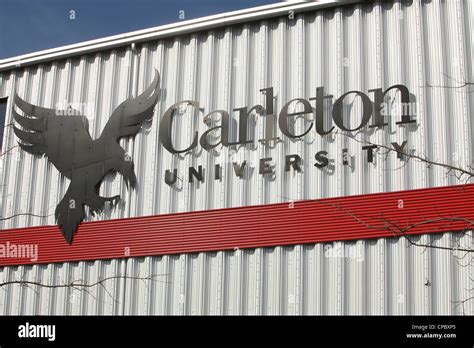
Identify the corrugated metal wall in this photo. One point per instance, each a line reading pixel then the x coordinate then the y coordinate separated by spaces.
pixel 417 43
pixel 385 276
pixel 355 47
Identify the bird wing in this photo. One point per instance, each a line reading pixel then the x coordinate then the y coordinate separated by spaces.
pixel 61 138
pixel 128 117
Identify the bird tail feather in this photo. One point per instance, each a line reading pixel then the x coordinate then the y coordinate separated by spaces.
pixel 69 214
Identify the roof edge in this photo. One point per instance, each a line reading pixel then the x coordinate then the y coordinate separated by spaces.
pixel 168 30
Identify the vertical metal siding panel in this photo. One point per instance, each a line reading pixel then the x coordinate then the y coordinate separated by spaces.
pixel 353 278
pixel 11 183
pixel 161 268
pixel 310 84
pixel 371 171
pixel 239 59
pixel 232 285
pixel 60 90
pixel 289 265
pixel 157 151
pixel 350 57
pixel 225 102
pixel 15 274
pixel 197 195
pixel 35 184
pixel 468 26
pixel 125 83
pixel 266 80
pixel 132 287
pixel 469 240
pixel 152 284
pixel 375 271
pixel 213 101
pixel 268 287
pixel 149 298
pixel 87 303
pixel 101 291
pixel 25 166
pixel 321 176
pixel 416 47
pixel 174 94
pixel 199 284
pixel 304 122
pixel 299 281
pixel 140 152
pixel 46 178
pixel 331 276
pixel 336 87
pixel 4 295
pixel 258 79
pixel 442 277
pixel 417 296
pixel 25 300
pixel 222 282
pixel 398 268
pixel 164 192
pixel 188 123
pixel 458 98
pixel 5 89
pixel 142 300
pixel 252 283
pixel 182 270
pixel 465 278
pixel 214 284
pixel 316 274
pixel 47 300
pixel 206 98
pixel 111 299
pixel 8 296
pixel 393 63
pixel 293 76
pixel 436 105
pixel 281 50
pixel 354 80
pixel 52 187
pixel 37 293
pixel 57 295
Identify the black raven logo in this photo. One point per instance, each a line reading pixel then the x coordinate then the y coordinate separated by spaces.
pixel 67 143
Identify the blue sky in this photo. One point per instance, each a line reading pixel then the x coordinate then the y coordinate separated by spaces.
pixel 32 25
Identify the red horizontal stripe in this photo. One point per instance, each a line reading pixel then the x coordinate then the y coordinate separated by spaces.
pixel 311 221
